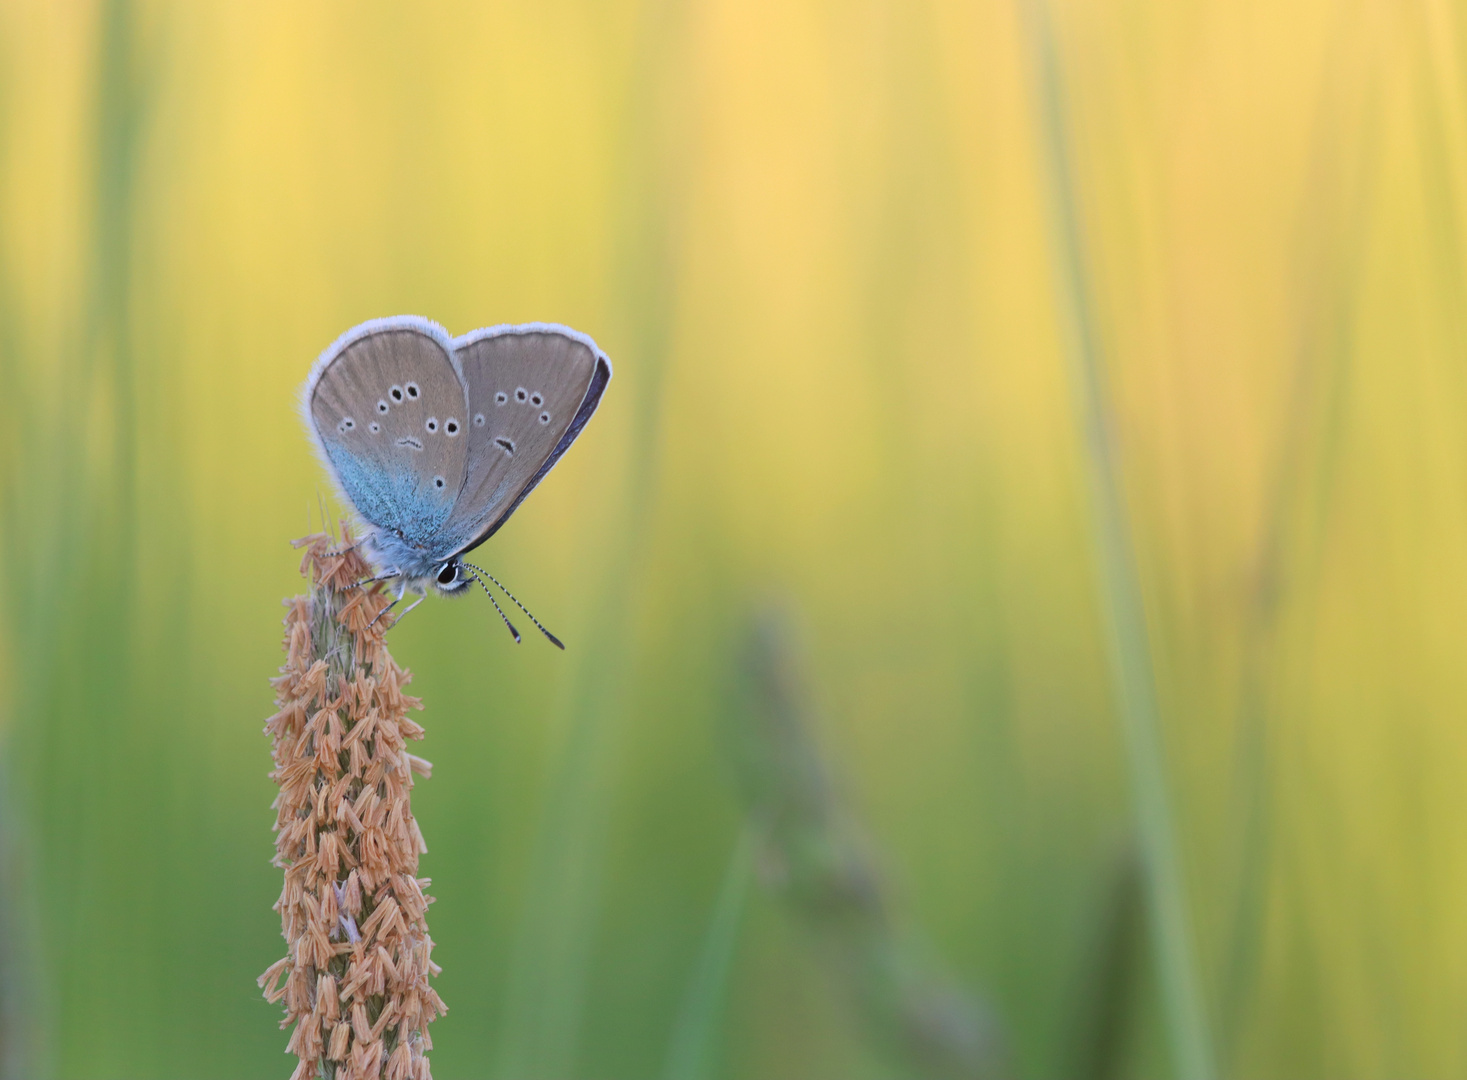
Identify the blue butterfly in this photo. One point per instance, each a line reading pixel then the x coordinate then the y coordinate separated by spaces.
pixel 435 440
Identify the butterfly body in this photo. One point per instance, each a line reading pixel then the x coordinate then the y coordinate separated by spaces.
pixel 436 440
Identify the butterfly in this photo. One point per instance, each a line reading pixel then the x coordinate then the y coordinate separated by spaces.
pixel 436 440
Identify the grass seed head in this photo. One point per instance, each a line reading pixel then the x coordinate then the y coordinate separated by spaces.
pixel 354 980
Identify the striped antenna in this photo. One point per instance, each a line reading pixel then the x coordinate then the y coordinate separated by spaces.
pixel 553 639
pixel 499 609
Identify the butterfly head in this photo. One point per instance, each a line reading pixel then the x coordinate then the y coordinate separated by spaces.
pixel 450 578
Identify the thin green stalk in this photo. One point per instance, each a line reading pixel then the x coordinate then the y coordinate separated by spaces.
pixel 548 970
pixel 813 860
pixel 1127 636
pixel 18 964
pixel 61 595
pixel 1111 981
pixel 16 970
pixel 691 1048
pixel 1333 223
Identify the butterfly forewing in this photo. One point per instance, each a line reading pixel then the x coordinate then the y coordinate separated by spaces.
pixel 530 388
pixel 392 416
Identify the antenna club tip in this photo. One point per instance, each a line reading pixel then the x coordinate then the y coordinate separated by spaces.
pixel 555 641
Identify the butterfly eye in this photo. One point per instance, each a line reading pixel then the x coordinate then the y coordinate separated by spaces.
pixel 395 393
pixel 520 394
pixel 536 400
pixel 500 398
pixel 448 574
pixel 478 419
pixel 382 407
pixel 412 389
pixel 374 427
pixel 346 425
pixel 451 426
pixel 544 418
pixel 432 423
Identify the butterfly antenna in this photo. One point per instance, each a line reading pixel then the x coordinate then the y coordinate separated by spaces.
pixel 499 609
pixel 553 639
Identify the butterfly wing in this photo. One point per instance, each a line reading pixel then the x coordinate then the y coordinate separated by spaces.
pixel 390 416
pixel 531 388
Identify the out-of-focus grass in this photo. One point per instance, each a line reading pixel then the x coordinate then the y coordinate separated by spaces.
pixel 549 973
pixel 1127 634
pixel 74 423
pixel 1105 1021
pixel 812 857
pixel 814 241
pixel 1329 243
pixel 695 1034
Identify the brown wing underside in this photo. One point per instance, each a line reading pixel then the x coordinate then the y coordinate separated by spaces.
pixel 392 415
pixel 524 391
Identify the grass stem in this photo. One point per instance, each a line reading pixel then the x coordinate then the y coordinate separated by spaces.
pixel 1127 636
pixel 812 859
pixel 691 1049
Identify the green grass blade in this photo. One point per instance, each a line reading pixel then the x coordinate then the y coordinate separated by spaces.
pixel 1334 222
pixel 1127 636
pixel 828 879
pixel 551 960
pixel 691 1049
pixel 1111 984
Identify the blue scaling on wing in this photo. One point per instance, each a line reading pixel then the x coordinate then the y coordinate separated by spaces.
pixel 390 416
pixel 396 499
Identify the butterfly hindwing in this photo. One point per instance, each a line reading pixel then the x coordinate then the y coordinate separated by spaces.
pixel 531 389
pixel 390 413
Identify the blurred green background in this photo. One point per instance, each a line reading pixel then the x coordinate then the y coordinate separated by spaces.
pixel 1048 368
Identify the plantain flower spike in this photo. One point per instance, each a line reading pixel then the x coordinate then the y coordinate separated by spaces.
pixel 354 979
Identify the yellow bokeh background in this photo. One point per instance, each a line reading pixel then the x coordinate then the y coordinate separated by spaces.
pixel 852 263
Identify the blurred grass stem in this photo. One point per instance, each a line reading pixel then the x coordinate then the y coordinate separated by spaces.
pixel 812 859
pixel 1334 221
pixel 548 969
pixel 690 1053
pixel 18 965
pixel 1111 985
pixel 71 488
pixel 1127 636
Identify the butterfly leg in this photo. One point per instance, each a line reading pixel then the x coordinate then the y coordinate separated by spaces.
pixel 380 577
pixel 342 551
pixel 410 607
pixel 401 590
pixel 383 612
